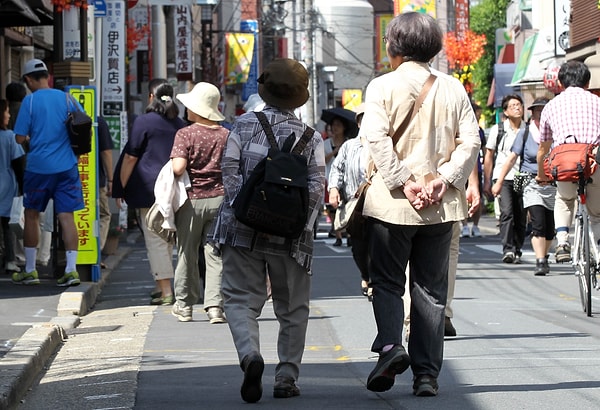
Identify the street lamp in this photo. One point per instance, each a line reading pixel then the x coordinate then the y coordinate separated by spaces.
pixel 329 78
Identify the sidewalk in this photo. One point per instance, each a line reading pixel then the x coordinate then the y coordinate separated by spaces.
pixel 121 313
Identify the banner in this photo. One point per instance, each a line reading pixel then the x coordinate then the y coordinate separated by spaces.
pixel 113 58
pixel 351 98
pixel 461 17
pixel 421 6
pixel 182 24
pixel 238 57
pixel 382 62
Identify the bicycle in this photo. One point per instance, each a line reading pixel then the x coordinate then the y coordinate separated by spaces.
pixel 585 254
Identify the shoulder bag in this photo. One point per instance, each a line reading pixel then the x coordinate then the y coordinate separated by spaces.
pixel 571 162
pixel 522 179
pixel 79 127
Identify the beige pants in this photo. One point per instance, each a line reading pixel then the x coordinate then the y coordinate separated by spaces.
pixel 160 252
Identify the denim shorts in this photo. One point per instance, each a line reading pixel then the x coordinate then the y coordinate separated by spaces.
pixel 64 187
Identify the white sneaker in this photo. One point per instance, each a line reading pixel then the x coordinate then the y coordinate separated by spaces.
pixel 475 232
pixel 465 233
pixel 12 267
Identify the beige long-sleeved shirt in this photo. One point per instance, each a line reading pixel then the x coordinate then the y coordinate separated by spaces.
pixel 442 139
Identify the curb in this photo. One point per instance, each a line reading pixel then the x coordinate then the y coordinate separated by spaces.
pixel 23 363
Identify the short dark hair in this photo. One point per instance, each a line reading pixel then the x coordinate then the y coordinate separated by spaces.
pixel 509 97
pixel 37 75
pixel 3 108
pixel 16 91
pixel 574 74
pixel 414 36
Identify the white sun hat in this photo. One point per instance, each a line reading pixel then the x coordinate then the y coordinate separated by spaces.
pixel 204 101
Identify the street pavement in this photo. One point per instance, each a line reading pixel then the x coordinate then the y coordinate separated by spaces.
pixel 523 343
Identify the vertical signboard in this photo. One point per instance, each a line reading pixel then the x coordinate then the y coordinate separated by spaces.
pixel 113 65
pixel 382 62
pixel 86 220
pixel 561 26
pixel 461 18
pixel 182 24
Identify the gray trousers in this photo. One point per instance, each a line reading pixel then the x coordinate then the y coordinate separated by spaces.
pixel 245 293
pixel 193 221
pixel 427 247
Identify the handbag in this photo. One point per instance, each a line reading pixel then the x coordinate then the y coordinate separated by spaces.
pixel 79 128
pixel 522 179
pixel 343 213
pixel 356 226
pixel 571 162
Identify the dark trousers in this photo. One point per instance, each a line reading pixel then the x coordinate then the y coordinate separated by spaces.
pixel 427 247
pixel 360 255
pixel 513 219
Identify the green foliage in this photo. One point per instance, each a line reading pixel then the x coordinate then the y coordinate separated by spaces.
pixel 485 18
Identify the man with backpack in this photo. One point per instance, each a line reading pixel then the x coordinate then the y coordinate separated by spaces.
pixel 513 218
pixel 250 251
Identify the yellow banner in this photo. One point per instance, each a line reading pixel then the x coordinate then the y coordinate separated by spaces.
pixel 351 98
pixel 421 6
pixel 86 220
pixel 382 59
pixel 238 57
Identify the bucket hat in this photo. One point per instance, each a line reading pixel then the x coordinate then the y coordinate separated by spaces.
pixel 538 102
pixel 284 84
pixel 33 66
pixel 203 100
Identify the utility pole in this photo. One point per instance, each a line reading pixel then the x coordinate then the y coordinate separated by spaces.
pixel 310 61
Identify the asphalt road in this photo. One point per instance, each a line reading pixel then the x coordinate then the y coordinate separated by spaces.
pixel 523 343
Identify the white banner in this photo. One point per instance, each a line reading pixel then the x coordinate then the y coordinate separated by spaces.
pixel 182 24
pixel 561 26
pixel 114 52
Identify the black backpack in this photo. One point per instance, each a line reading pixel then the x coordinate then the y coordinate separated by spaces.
pixel 275 198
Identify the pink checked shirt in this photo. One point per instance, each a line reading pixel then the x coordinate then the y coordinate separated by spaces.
pixel 575 112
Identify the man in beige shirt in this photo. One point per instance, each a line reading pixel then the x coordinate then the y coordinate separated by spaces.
pixel 416 195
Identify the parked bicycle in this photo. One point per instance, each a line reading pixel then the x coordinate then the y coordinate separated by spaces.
pixel 585 254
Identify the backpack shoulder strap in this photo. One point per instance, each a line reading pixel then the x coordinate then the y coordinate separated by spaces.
pixel 304 139
pixel 264 122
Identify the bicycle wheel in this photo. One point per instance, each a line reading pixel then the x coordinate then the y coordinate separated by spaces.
pixel 579 260
pixel 587 266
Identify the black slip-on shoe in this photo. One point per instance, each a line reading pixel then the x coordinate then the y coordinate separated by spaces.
pixel 253 366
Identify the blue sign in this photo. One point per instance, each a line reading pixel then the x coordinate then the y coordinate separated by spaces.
pixel 99 8
pixel 251 86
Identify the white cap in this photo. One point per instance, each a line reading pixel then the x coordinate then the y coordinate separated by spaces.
pixel 33 66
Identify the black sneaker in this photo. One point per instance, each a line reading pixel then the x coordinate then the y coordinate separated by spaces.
pixel 390 363
pixel 425 386
pixel 540 267
pixel 253 366
pixel 285 387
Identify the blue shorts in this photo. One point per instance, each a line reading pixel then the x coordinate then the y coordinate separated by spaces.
pixel 64 188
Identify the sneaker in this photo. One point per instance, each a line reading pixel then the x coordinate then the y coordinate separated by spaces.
pixel 425 386
pixel 540 267
pixel 163 301
pixel 69 279
pixel 216 315
pixel 390 363
pixel 11 267
pixel 253 366
pixel 465 232
pixel 285 387
pixel 183 314
pixel 449 329
pixel 475 232
pixel 563 253
pixel 508 257
pixel 517 259
pixel 24 278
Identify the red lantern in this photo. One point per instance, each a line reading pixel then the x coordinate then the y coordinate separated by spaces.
pixel 551 79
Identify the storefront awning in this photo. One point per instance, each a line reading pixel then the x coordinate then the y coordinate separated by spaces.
pixel 17 13
pixel 537 51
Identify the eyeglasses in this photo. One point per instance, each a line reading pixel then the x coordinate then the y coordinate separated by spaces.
pixel 384 39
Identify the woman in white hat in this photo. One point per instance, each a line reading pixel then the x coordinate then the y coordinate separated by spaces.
pixel 198 149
